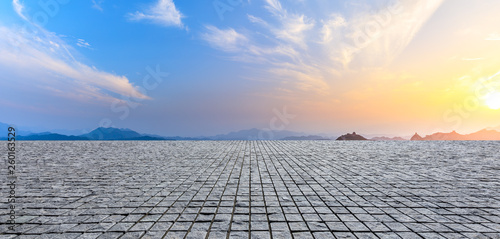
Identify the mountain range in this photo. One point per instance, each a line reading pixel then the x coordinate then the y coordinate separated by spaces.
pixel 485 134
pixel 128 134
pixel 250 134
pixel 385 138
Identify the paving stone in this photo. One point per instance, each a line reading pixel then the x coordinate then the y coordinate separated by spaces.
pixel 132 235
pixel 257 189
pixel 260 235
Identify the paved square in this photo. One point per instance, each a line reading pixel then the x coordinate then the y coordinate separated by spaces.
pixel 255 189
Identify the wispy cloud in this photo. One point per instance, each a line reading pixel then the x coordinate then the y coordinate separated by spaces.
pixel 291 28
pixel 19 8
pixel 42 59
pixel 163 13
pixel 493 37
pixel 97 4
pixel 311 52
pixel 471 59
pixel 83 43
pixel 226 40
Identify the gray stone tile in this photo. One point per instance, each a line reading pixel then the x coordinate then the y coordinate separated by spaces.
pixel 305 189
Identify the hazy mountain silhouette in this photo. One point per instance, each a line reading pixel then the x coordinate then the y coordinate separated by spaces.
pixel 484 134
pixel 308 137
pixel 352 136
pixel 4 129
pixel 257 134
pixel 250 134
pixel 50 136
pixel 384 138
pixel 102 133
pixel 416 136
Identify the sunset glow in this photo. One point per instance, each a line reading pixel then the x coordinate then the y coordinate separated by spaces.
pixel 492 100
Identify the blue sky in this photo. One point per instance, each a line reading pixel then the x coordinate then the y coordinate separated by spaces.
pixel 230 65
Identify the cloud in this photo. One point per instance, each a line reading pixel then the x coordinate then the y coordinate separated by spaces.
pixel 309 53
pixel 375 38
pixel 330 27
pixel 44 60
pixel 292 28
pixel 471 59
pixel 19 8
pixel 274 6
pixel 493 37
pixel 163 13
pixel 97 4
pixel 226 40
pixel 83 43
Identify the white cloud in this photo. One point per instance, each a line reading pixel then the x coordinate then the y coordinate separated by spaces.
pixel 226 40
pixel 83 43
pixel 330 28
pixel 312 51
pixel 258 20
pixel 163 13
pixel 274 6
pixel 97 4
pixel 375 39
pixel 292 28
pixel 43 60
pixel 19 8
pixel 471 59
pixel 493 37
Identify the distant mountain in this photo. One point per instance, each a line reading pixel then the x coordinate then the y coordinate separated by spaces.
pixel 497 128
pixel 445 136
pixel 256 134
pixel 102 133
pixel 185 138
pixel 484 134
pixel 250 134
pixel 384 138
pixel 50 136
pixel 4 129
pixel 97 134
pixel 127 134
pixel 3 126
pixel 416 137
pixel 352 136
pixel 143 138
pixel 158 137
pixel 68 131
pixel 309 137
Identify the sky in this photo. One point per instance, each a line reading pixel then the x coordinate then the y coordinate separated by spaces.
pixel 194 68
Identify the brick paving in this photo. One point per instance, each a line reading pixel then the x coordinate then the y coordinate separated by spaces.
pixel 255 189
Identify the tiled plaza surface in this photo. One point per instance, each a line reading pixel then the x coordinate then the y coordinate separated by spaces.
pixel 255 189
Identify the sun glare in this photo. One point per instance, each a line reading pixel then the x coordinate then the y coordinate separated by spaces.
pixel 492 100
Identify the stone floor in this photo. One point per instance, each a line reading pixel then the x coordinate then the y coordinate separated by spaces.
pixel 255 189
